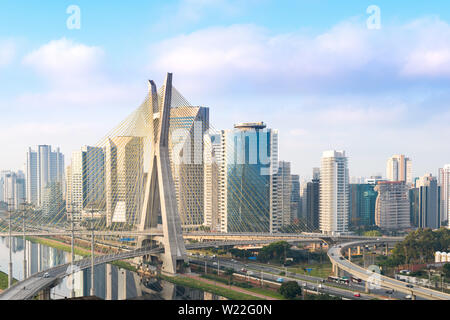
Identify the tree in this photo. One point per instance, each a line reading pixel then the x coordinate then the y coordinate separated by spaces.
pixel 446 270
pixel 229 272
pixel 372 233
pixel 275 251
pixel 290 290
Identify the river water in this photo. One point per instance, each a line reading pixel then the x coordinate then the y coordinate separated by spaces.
pixel 110 282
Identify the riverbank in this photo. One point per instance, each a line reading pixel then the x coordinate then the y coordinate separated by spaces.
pixel 80 251
pixel 4 281
pixel 196 282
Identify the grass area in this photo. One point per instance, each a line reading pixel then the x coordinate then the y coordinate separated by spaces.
pixel 244 285
pixel 318 270
pixel 224 292
pixel 4 281
pixel 57 244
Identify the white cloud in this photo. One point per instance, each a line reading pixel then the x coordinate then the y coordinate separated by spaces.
pixel 348 53
pixel 7 52
pixel 65 62
pixel 76 76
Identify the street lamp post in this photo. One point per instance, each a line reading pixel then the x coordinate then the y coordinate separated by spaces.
pixel 24 209
pixel 92 252
pixel 10 275
pixel 72 251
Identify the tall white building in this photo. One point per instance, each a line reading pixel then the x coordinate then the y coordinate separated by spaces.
pixel 392 210
pixel 334 192
pixel 281 199
pixel 43 168
pixel 85 181
pixel 186 151
pixel 444 182
pixel 212 181
pixel 12 188
pixel 124 179
pixel 399 168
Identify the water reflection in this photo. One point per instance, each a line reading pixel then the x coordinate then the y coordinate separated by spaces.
pixel 110 282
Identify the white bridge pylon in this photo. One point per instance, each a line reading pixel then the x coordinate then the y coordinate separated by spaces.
pixel 159 194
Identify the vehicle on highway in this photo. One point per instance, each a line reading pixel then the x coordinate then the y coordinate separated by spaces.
pixel 356 280
pixel 215 263
pixel 407 272
pixel 250 273
pixel 244 270
pixel 408 297
pixel 357 295
pixel 280 280
pixel 409 286
pixel 333 279
pixel 341 258
pixel 389 291
pixel 46 275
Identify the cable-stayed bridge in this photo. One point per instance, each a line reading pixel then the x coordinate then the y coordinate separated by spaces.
pixel 147 180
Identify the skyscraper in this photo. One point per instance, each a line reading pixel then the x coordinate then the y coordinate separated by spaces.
pixel 399 168
pixel 12 188
pixel 124 179
pixel 392 205
pixel 212 181
pixel 249 161
pixel 32 177
pixel 43 167
pixel 281 196
pixel 444 182
pixel 85 181
pixel 312 202
pixel 295 197
pixel 426 204
pixel 363 199
pixel 186 148
pixel 334 192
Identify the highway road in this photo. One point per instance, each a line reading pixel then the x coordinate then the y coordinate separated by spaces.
pixel 271 273
pixel 335 255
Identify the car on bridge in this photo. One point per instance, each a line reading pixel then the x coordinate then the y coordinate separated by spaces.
pixel 357 295
pixel 46 275
pixel 280 280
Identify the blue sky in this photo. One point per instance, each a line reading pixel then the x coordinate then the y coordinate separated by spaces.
pixel 311 69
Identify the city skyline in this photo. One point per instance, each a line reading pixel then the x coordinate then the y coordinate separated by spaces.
pixel 67 87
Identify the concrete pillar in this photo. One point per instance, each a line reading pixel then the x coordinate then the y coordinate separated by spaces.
pixel 122 285
pixel 336 270
pixel 413 297
pixel 358 250
pixel 367 287
pixel 387 249
pixel 44 294
pixel 350 254
pixel 108 282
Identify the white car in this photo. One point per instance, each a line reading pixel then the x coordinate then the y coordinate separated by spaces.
pixel 46 275
pixel 408 297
